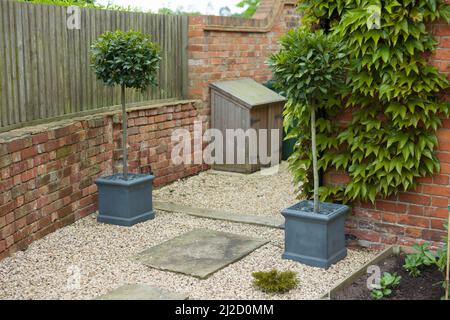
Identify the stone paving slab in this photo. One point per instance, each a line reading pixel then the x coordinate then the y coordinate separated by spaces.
pixel 199 253
pixel 271 222
pixel 141 292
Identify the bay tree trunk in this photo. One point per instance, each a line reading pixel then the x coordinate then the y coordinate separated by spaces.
pixel 124 134
pixel 314 159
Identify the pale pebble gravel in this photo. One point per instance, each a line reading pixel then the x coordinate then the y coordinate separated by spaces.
pixel 255 194
pixel 103 254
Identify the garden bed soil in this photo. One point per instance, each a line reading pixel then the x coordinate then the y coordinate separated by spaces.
pixel 425 287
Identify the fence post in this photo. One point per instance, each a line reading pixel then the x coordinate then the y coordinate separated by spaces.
pixel 184 57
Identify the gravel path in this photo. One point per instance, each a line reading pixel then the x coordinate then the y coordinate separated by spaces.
pixel 102 254
pixel 247 194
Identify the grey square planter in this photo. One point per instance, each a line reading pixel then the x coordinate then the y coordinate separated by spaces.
pixel 315 239
pixel 125 202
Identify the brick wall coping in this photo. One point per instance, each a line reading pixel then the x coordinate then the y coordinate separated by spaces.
pixel 262 22
pixel 8 136
pixel 147 104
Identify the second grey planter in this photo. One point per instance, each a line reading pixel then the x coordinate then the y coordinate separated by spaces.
pixel 315 239
pixel 125 202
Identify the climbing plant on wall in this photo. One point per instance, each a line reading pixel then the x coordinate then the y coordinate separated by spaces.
pixel 395 97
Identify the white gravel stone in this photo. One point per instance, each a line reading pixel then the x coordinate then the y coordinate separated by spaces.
pixel 247 194
pixel 102 254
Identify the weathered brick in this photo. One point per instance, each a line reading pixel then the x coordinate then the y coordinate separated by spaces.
pixel 367 235
pixel 40 138
pixel 415 198
pixel 7 208
pixel 65 221
pixel 389 217
pixel 19 144
pixel 43 232
pixel 389 228
pixel 50 145
pixel 414 221
pixel 28 152
pixel 17 168
pixel 3 149
pixel 65 192
pixel 63 152
pixel 2 246
pixel 438 224
pixel 61 132
pixel 433 235
pixel 391 206
pixel 439 202
pixel 5 161
pixel 7 230
pixel 25 210
pixel 413 232
pixel 415 210
pixel 437 190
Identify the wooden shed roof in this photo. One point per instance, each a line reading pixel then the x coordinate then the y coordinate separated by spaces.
pixel 247 92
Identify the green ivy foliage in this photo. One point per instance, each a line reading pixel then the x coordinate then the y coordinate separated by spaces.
pixel 126 58
pixel 395 96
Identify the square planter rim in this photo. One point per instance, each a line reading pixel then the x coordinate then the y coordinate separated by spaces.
pixel 133 179
pixel 325 217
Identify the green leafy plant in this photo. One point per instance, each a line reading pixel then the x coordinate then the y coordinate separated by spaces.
pixel 275 281
pixel 83 4
pixel 179 11
pixel 388 282
pixel 250 8
pixel 395 97
pixel 422 258
pixel 64 2
pixel 309 69
pixel 441 254
pixel 443 263
pixel 130 60
pixel 413 263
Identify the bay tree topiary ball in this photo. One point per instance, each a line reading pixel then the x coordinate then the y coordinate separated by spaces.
pixel 309 66
pixel 275 281
pixel 126 58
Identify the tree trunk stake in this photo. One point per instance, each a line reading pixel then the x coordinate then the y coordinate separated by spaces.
pixel 124 135
pixel 314 155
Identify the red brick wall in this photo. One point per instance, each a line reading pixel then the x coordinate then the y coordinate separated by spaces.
pixel 47 172
pixel 414 216
pixel 218 52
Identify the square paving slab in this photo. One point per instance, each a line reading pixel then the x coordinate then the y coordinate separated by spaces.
pixel 199 253
pixel 141 292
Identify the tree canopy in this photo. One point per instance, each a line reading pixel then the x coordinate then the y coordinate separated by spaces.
pixel 126 58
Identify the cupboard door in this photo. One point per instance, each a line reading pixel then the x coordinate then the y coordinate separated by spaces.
pixel 259 121
pixel 275 121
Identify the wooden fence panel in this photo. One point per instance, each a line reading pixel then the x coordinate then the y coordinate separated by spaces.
pixel 45 68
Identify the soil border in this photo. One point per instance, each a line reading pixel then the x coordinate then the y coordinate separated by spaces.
pixel 386 253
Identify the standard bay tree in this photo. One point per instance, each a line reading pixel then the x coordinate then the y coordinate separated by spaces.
pixel 129 60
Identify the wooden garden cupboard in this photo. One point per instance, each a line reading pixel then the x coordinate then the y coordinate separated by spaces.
pixel 245 104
